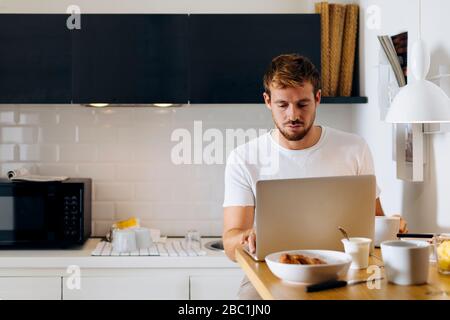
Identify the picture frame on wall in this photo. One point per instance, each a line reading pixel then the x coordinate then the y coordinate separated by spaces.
pixel 409 151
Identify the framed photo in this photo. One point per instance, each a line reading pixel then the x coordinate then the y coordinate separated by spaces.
pixel 409 151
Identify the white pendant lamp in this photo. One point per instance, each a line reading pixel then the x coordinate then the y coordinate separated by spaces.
pixel 420 101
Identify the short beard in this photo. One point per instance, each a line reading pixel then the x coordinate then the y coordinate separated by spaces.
pixel 294 137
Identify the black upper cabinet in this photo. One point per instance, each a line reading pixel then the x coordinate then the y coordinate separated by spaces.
pixel 35 59
pixel 229 53
pixel 147 58
pixel 131 58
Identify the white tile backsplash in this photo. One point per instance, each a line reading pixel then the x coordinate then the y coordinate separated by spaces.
pixel 143 210
pixel 57 169
pixel 38 152
pixel 7 152
pixel 97 171
pixel 18 134
pixel 58 134
pixel 7 117
pixel 103 210
pixel 113 191
pixel 113 152
pixel 127 153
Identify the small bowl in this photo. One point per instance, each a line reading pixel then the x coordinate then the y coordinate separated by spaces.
pixel 337 264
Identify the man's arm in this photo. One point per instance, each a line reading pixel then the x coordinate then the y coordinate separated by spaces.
pixel 238 228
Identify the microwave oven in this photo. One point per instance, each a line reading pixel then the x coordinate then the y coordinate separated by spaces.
pixel 45 214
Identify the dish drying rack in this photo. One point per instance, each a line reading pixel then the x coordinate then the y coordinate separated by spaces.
pixel 169 248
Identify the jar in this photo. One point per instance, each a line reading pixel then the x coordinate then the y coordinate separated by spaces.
pixel 442 252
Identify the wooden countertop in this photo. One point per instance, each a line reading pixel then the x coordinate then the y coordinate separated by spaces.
pixel 272 288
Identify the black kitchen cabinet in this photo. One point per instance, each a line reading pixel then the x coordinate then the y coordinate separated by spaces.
pixel 131 58
pixel 229 53
pixel 147 58
pixel 35 59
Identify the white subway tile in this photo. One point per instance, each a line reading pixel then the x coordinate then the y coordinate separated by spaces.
pixel 150 134
pixel 113 191
pixel 114 116
pixel 114 152
pixel 18 134
pixel 69 170
pixel 216 228
pixel 171 211
pixel 97 134
pixel 135 172
pixel 77 152
pixel 7 166
pixel 7 152
pixel 102 210
pixel 151 116
pixel 216 210
pixel 102 227
pixel 180 211
pixel 180 228
pixel 154 192
pixel 131 134
pixel 38 117
pixel 141 210
pixel 38 152
pixel 77 115
pixel 196 192
pixel 7 116
pixel 96 171
pixel 58 133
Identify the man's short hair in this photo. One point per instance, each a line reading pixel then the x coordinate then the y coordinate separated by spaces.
pixel 291 70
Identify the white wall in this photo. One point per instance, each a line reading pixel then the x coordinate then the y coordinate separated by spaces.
pixel 425 205
pixel 157 6
pixel 127 151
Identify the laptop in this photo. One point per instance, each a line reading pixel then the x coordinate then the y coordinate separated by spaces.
pixel 305 213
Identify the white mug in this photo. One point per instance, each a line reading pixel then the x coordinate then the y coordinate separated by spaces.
pixel 406 262
pixel 386 228
pixel 143 238
pixel 359 250
pixel 124 240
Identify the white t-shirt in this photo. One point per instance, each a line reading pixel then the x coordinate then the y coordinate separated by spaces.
pixel 337 153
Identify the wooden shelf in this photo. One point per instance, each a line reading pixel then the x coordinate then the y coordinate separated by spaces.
pixel 344 100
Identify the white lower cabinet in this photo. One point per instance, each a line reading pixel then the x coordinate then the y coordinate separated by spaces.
pixel 124 284
pixel 160 287
pixel 30 288
pixel 214 287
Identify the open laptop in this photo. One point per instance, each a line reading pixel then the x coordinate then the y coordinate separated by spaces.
pixel 305 213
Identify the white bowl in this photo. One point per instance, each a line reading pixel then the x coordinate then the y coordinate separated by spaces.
pixel 337 264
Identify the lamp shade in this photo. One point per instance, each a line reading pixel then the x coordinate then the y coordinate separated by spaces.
pixel 421 101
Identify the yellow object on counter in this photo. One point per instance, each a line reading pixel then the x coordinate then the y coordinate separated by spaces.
pixel 443 258
pixel 128 223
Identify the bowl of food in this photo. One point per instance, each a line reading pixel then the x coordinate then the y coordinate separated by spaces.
pixel 308 266
pixel 442 249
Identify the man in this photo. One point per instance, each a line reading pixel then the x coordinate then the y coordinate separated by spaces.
pixel 292 94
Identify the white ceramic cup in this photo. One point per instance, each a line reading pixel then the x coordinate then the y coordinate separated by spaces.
pixel 359 250
pixel 386 228
pixel 406 262
pixel 143 238
pixel 124 240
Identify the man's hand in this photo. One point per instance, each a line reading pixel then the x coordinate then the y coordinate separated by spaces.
pixel 403 224
pixel 249 237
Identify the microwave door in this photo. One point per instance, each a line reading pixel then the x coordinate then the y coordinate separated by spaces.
pixel 27 215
